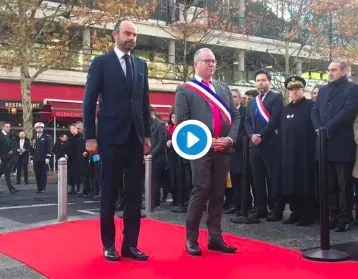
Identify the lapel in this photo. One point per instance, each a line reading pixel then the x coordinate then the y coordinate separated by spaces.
pixel 219 92
pixel 267 99
pixel 135 73
pixel 117 65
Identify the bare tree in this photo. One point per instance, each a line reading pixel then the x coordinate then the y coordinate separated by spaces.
pixel 37 35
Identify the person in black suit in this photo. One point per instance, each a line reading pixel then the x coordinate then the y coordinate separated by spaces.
pixel 119 80
pixel 261 123
pixel 6 153
pixel 236 159
pixel 23 147
pixel 159 154
pixel 335 109
pixel 40 155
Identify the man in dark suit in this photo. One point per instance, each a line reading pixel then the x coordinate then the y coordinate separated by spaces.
pixel 335 109
pixel 158 139
pixel 210 171
pixel 40 156
pixel 6 153
pixel 119 80
pixel 236 159
pixel 261 123
pixel 23 147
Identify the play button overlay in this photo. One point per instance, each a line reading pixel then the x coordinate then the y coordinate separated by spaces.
pixel 191 139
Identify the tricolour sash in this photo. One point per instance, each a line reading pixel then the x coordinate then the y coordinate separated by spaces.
pixel 260 109
pixel 213 99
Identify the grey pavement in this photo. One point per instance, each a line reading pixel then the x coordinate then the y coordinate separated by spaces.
pixel 28 210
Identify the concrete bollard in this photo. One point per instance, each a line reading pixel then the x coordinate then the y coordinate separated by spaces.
pixel 62 190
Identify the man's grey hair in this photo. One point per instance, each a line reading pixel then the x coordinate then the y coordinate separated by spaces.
pixel 197 54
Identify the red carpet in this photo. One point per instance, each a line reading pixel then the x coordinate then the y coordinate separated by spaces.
pixel 73 250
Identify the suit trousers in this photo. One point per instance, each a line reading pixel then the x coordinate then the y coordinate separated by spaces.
pixel 209 175
pixel 40 169
pixel 118 160
pixel 22 165
pixel 264 164
pixel 340 191
pixel 5 170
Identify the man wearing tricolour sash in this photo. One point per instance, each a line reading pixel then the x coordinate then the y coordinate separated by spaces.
pixel 210 102
pixel 261 122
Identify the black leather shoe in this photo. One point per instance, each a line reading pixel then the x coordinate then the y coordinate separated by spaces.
pixel 293 218
pixel 193 248
pixel 333 223
pixel 14 191
pixel 111 254
pixel 134 253
pixel 274 218
pixel 258 215
pixel 221 246
pixel 342 227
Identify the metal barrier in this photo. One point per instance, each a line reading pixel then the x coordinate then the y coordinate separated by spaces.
pixel 324 253
pixel 62 190
pixel 148 184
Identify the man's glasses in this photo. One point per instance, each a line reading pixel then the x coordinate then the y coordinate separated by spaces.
pixel 208 61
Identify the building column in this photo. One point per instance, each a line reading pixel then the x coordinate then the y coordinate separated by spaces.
pixel 239 70
pixel 171 59
pixel 299 67
pixel 171 52
pixel 86 48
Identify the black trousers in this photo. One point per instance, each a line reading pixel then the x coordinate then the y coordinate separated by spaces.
pixel 237 185
pixel 158 171
pixel 340 191
pixel 119 160
pixel 264 164
pixel 40 169
pixel 5 170
pixel 302 206
pixel 22 165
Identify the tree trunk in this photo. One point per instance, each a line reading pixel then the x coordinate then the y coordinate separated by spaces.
pixel 25 81
pixel 287 69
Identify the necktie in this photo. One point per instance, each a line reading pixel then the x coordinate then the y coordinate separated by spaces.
pixel 129 73
pixel 217 122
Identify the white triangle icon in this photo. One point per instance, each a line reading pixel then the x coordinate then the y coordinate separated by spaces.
pixel 191 139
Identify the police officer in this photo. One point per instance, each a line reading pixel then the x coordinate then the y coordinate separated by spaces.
pixel 40 156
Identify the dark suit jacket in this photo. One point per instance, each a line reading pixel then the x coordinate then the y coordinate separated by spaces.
pixel 236 160
pixel 119 106
pixel 27 147
pixel 190 105
pixel 5 146
pixel 158 139
pixel 335 109
pixel 273 103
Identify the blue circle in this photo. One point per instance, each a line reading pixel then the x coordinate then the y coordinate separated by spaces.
pixel 182 139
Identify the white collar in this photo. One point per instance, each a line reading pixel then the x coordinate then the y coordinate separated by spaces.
pixel 238 107
pixel 120 53
pixel 5 134
pixel 200 79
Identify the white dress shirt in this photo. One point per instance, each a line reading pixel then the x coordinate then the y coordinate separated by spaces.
pixel 120 55
pixel 22 141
